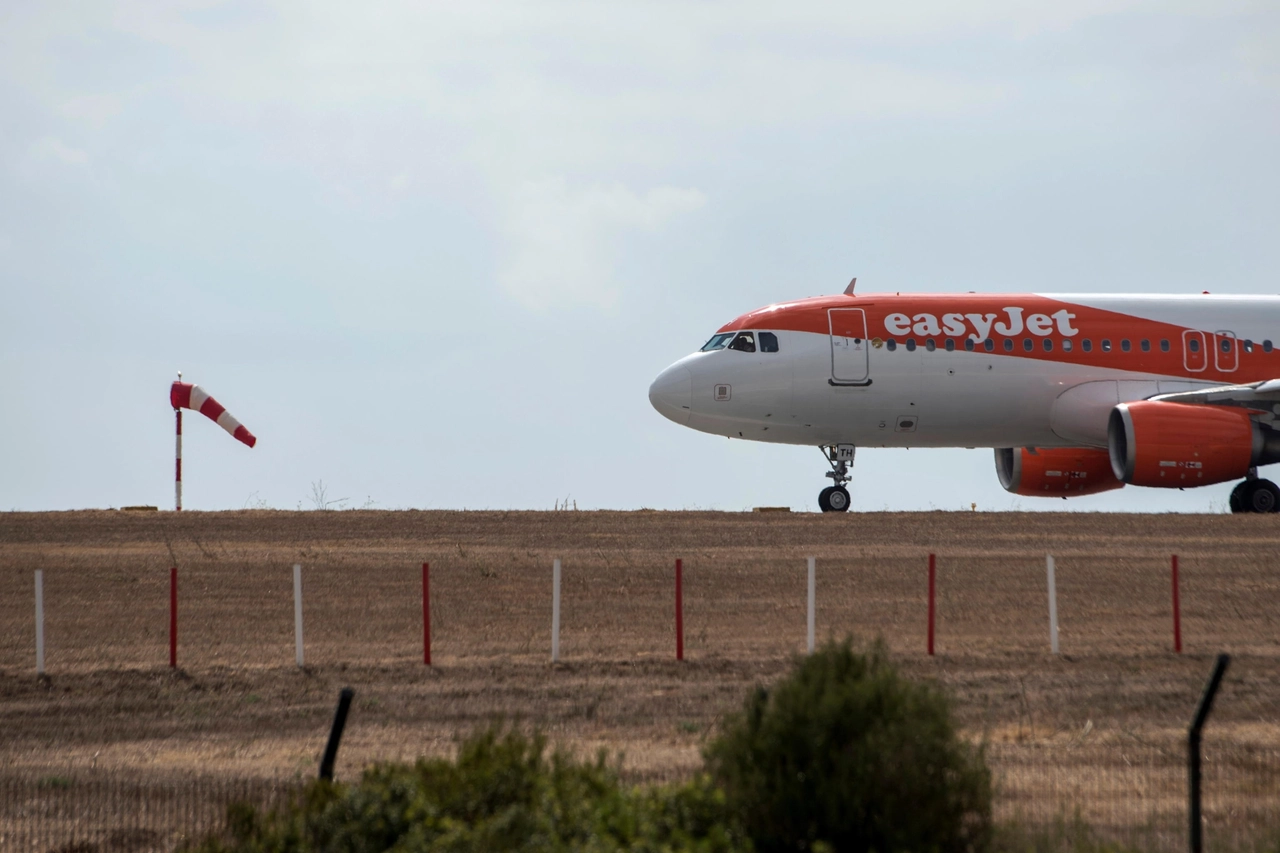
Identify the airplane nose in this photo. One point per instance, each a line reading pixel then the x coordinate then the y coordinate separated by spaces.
pixel 672 394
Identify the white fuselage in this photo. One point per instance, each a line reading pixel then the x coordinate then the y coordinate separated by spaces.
pixel 909 381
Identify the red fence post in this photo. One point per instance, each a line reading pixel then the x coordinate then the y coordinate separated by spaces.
pixel 679 609
pixel 1177 608
pixel 426 614
pixel 173 617
pixel 932 574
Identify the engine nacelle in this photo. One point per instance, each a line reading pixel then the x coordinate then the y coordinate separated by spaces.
pixel 1055 471
pixel 1175 445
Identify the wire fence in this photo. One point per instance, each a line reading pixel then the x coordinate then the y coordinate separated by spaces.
pixel 116 810
pixel 1050 798
pixel 1136 794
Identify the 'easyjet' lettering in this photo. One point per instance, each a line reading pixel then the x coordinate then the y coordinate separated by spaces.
pixel 926 325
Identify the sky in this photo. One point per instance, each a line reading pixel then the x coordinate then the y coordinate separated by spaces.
pixel 433 254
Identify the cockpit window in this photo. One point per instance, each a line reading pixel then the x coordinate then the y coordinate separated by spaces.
pixel 744 342
pixel 768 342
pixel 718 342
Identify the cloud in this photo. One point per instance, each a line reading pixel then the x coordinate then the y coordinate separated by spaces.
pixel 52 148
pixel 94 110
pixel 561 242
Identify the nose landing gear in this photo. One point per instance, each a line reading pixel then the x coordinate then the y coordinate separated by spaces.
pixel 835 498
pixel 1255 495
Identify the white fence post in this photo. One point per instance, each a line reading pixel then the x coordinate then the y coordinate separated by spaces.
pixel 555 611
pixel 297 608
pixel 1053 605
pixel 811 602
pixel 39 622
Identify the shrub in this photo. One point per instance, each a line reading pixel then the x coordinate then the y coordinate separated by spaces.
pixel 502 792
pixel 845 752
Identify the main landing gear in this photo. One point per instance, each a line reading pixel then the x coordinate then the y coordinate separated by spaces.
pixel 835 498
pixel 1255 495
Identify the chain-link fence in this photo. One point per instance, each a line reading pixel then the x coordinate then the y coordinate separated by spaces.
pixel 114 810
pixel 1047 797
pixel 1136 794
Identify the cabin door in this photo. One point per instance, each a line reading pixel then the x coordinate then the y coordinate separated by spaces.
pixel 848 345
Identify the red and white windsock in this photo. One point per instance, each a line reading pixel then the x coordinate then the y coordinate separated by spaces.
pixel 184 395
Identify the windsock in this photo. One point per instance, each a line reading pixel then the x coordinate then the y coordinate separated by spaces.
pixel 184 395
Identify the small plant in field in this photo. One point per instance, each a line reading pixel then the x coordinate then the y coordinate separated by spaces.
pixel 255 502
pixel 320 497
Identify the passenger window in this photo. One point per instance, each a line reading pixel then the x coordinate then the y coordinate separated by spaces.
pixel 968 344
pixel 911 344
pixel 891 345
pixel 951 345
pixel 1193 345
pixel 989 345
pixel 1027 345
pixel 1164 346
pixel 769 342
pixel 1248 346
pixel 1066 345
pixel 1048 344
pixel 744 342
pixel 930 345
pixel 717 342
pixel 1106 345
pixel 1086 345
pixel 1124 345
pixel 1008 344
pixel 1146 345
pixel 1226 344
pixel 1266 346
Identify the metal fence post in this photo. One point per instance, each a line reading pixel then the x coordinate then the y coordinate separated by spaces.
pixel 1193 751
pixel 812 595
pixel 335 733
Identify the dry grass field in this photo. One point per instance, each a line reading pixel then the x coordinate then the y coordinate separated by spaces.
pixel 1080 727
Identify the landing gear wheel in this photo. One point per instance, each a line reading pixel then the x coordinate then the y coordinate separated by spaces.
pixel 1236 501
pixel 833 499
pixel 1259 496
pixel 824 497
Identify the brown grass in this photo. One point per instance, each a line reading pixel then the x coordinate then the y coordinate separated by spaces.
pixel 239 707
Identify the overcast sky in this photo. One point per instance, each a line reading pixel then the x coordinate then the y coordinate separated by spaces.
pixel 432 254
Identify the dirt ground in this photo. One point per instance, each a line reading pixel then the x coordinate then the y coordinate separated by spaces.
pixel 238 705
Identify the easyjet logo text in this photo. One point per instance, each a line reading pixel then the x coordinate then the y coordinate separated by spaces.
pixel 1008 324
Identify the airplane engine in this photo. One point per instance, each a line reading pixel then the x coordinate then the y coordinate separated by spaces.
pixel 1055 471
pixel 1174 445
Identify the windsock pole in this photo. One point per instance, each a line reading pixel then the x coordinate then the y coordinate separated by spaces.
pixel 177 478
pixel 177 468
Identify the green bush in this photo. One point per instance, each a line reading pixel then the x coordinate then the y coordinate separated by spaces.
pixel 845 752
pixel 502 792
pixel 842 754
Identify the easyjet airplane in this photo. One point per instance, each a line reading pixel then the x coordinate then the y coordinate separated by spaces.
pixel 1077 393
